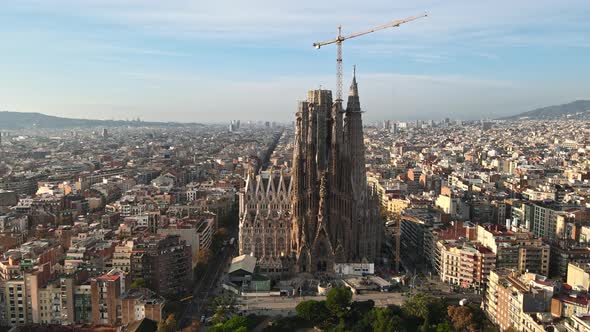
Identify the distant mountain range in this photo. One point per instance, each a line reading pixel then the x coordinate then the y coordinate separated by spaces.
pixel 579 109
pixel 18 120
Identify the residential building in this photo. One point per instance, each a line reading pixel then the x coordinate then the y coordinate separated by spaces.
pixel 140 303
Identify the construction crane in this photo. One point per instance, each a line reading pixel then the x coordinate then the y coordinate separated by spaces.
pixel 338 41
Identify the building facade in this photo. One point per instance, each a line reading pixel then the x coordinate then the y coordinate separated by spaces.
pixel 510 297
pixel 335 214
pixel 464 264
pixel 163 262
pixel 265 222
pixel 520 251
pixel 324 213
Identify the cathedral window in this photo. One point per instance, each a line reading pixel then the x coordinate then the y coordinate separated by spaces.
pixel 269 247
pixel 281 245
pixel 258 248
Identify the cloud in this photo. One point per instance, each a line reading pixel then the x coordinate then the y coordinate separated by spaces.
pixel 269 20
pixel 145 56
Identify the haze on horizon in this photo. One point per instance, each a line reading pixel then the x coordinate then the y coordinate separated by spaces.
pixel 195 61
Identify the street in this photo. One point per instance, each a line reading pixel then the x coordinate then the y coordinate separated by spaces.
pixel 285 306
pixel 206 288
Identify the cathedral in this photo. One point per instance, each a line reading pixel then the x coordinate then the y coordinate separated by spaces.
pixel 265 222
pixel 333 216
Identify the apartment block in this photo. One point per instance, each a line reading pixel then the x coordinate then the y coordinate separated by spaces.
pixel 511 296
pixel 520 251
pixel 465 264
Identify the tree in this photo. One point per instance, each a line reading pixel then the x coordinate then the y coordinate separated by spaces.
pixel 358 316
pixel 224 306
pixel 168 325
pixel 444 327
pixel 313 311
pixel 218 319
pixel 204 255
pixel 384 320
pixel 359 309
pixel 138 283
pixel 234 324
pixel 338 301
pixel 462 318
pixel 479 317
pixel 292 323
pixel 426 308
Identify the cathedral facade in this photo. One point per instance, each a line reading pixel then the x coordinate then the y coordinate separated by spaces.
pixel 324 213
pixel 265 220
pixel 335 215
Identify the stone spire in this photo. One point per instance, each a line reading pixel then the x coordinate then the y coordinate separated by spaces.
pixel 353 104
pixel 358 177
pixel 354 91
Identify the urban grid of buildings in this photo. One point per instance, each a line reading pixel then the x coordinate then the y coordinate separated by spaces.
pixel 108 236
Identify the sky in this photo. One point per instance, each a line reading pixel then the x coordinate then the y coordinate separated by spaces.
pixel 212 61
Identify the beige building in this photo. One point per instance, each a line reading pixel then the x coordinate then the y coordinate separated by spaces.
pixel 49 307
pixel 511 297
pixel 464 264
pixel 388 203
pixel 17 310
pixel 196 232
pixel 578 276
pixel 578 323
pixel 62 302
pixel 520 251
pixel 122 256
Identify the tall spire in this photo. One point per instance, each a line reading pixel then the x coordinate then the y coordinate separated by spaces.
pixel 353 104
pixel 354 91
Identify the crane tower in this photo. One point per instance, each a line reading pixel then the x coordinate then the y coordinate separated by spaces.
pixel 339 39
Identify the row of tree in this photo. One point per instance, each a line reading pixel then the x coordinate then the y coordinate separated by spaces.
pixel 419 313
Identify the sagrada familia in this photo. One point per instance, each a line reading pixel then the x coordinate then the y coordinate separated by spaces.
pixel 323 213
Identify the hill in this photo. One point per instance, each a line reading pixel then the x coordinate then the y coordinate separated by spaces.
pixel 579 109
pixel 18 120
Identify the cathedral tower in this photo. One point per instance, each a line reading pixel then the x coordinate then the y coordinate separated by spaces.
pixel 335 218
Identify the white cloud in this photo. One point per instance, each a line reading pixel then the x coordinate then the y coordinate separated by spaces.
pixel 476 28
pixel 269 20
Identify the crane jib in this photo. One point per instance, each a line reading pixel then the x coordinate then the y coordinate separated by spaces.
pixel 339 39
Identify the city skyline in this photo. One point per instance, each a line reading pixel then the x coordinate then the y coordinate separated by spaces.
pixel 179 61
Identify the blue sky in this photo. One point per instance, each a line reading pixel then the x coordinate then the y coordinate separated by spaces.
pixel 211 61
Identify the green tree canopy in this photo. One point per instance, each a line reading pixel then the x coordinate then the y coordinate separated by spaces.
pixel 444 327
pixel 138 283
pixel 384 320
pixel 425 307
pixel 313 311
pixel 338 301
pixel 236 323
